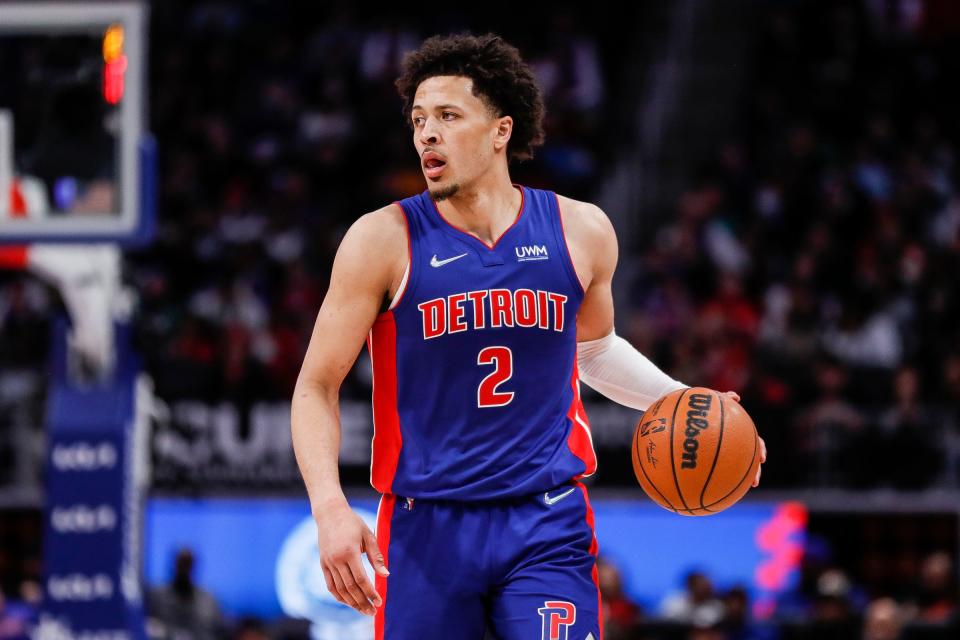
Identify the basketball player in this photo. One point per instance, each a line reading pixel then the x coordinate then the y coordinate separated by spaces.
pixel 483 302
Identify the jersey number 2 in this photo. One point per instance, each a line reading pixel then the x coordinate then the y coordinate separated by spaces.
pixel 502 360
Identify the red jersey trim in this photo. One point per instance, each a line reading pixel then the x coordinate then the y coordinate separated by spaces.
pixel 387 439
pixel 563 233
pixel 406 283
pixel 580 440
pixel 595 552
pixel 384 517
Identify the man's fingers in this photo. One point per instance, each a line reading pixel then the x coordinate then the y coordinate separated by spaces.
pixel 373 553
pixel 363 581
pixel 361 603
pixel 332 585
pixel 763 458
pixel 345 596
pixel 338 580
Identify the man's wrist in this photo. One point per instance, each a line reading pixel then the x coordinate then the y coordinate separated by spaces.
pixel 327 505
pixel 614 367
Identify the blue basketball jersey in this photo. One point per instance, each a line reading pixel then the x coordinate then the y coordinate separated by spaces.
pixel 475 387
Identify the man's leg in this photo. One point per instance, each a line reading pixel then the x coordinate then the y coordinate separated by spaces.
pixel 436 582
pixel 550 589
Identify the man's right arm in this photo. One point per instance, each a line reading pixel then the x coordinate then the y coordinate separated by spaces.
pixel 367 268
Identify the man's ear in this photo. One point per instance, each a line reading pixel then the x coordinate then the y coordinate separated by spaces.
pixel 504 131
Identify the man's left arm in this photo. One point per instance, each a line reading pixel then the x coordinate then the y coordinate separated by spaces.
pixel 605 361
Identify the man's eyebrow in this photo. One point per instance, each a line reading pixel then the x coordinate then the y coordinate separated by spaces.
pixel 439 106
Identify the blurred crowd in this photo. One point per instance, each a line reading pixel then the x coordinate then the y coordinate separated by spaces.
pixel 828 605
pixel 270 152
pixel 813 263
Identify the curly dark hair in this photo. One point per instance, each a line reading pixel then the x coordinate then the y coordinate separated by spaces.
pixel 501 79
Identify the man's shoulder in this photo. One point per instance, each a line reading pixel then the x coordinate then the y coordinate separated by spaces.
pixel 577 206
pixel 390 215
pixel 584 219
pixel 384 226
pixel 375 247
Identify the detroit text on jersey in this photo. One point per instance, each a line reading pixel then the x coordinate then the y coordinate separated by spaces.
pixel 492 308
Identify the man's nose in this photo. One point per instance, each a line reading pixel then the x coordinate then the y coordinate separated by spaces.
pixel 428 134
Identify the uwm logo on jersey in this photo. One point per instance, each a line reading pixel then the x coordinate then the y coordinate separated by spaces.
pixel 493 308
pixel 531 252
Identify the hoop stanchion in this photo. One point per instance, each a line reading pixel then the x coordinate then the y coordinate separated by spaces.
pixel 95 483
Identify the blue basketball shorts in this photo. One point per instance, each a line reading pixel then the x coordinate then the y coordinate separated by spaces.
pixel 518 569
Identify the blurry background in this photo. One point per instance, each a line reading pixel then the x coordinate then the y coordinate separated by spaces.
pixel 783 177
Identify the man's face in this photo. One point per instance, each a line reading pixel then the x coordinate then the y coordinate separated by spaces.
pixel 454 133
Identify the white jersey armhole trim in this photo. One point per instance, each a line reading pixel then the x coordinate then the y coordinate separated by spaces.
pixel 400 289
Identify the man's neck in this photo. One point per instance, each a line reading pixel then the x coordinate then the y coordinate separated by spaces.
pixel 485 211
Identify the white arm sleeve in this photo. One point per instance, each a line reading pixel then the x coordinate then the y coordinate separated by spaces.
pixel 614 368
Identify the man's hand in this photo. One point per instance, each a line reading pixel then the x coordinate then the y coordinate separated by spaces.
pixel 763 458
pixel 763 447
pixel 343 536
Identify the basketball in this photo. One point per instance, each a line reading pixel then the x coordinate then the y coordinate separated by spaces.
pixel 695 451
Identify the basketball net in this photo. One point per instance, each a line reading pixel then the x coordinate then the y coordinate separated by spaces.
pixel 87 276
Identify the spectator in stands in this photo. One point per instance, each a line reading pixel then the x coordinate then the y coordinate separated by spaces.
pixel 15 620
pixel 250 629
pixel 826 429
pixel 909 435
pixel 183 607
pixel 31 593
pixel 789 330
pixel 706 633
pixel 883 620
pixel 738 621
pixel 620 614
pixel 832 604
pixel 951 386
pixel 727 325
pixel 864 335
pixel 935 601
pixel 697 604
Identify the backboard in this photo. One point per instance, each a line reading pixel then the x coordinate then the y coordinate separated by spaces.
pixel 76 164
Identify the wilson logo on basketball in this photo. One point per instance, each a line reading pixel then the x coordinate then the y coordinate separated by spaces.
pixel 696 422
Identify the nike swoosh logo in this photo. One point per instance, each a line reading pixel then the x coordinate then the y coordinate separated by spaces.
pixel 439 263
pixel 556 499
